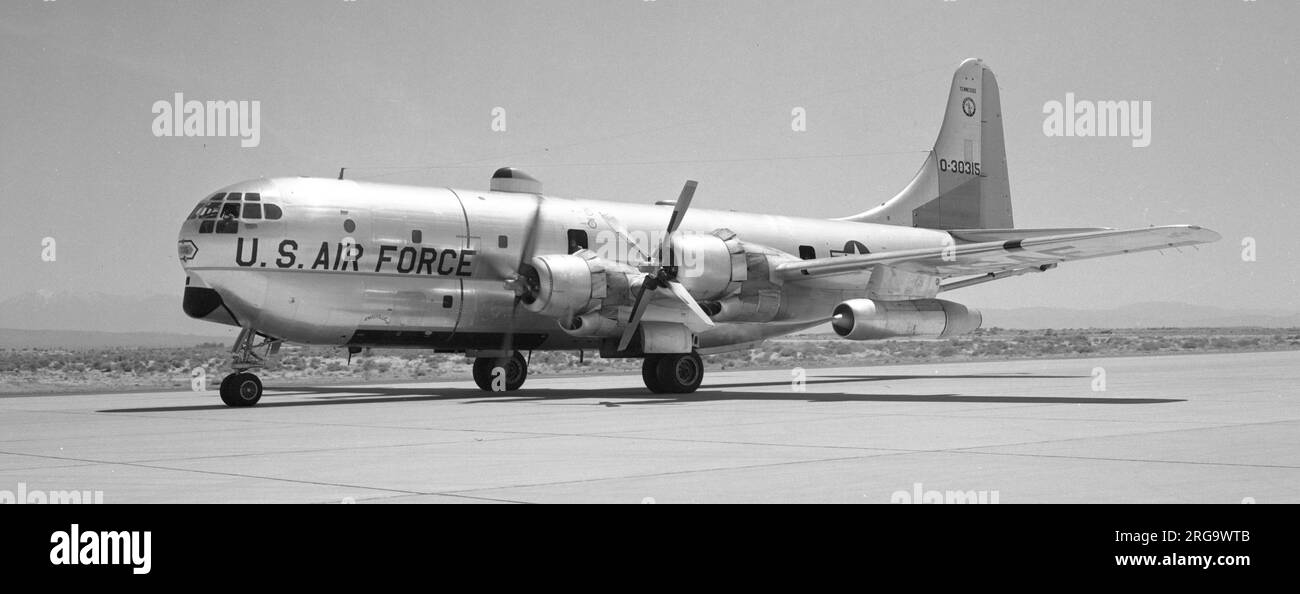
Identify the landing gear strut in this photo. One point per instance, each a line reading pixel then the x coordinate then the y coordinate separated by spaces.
pixel 242 388
pixel 514 369
pixel 672 374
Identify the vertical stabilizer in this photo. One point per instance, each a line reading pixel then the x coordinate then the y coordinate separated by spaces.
pixel 963 183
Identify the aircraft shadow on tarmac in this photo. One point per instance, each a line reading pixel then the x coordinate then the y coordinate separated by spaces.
pixel 330 395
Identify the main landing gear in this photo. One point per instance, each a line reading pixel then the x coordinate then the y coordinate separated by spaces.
pixel 672 374
pixel 500 374
pixel 242 388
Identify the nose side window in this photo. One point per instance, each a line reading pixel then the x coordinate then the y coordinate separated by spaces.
pixel 252 211
pixel 272 212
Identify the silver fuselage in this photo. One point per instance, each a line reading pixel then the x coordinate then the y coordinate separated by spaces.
pixel 364 264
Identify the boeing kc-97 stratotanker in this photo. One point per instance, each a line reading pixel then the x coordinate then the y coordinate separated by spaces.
pixel 493 274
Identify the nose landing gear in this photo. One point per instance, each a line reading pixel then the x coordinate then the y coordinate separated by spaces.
pixel 242 388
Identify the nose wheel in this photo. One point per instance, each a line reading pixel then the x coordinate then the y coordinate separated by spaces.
pixel 241 389
pixel 672 374
pixel 500 374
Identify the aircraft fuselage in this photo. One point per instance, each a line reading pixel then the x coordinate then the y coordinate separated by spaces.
pixel 364 264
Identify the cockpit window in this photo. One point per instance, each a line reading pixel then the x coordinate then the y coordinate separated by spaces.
pixel 206 210
pixel 230 209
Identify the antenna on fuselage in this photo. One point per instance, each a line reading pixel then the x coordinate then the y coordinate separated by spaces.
pixel 341 170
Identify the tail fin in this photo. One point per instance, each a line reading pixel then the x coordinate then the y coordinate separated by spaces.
pixel 963 184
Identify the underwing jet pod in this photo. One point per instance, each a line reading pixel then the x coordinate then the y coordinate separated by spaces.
pixel 494 274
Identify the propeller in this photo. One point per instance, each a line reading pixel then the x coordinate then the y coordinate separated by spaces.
pixel 522 279
pixel 664 276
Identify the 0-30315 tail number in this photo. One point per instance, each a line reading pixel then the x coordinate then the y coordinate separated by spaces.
pixel 956 166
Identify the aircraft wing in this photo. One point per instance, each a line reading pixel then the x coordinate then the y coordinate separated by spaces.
pixel 1008 254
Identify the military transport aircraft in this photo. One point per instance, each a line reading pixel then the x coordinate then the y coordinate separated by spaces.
pixel 494 274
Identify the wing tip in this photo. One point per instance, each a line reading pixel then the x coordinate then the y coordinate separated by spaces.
pixel 1204 234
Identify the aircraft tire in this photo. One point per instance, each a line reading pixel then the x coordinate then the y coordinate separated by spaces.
pixel 650 373
pixel 680 373
pixel 516 368
pixel 241 389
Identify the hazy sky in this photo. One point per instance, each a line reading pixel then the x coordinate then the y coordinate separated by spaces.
pixel 624 99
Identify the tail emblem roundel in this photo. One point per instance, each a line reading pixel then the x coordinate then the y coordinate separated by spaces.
pixel 968 106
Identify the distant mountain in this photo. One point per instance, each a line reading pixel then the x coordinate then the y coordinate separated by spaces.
pixel 1141 315
pixel 71 339
pixel 100 312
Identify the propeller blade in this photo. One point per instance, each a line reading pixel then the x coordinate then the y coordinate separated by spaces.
pixel 638 310
pixel 683 203
pixel 515 281
pixel 624 235
pixel 506 268
pixel 666 255
pixel 508 342
pixel 704 321
pixel 501 264
pixel 530 240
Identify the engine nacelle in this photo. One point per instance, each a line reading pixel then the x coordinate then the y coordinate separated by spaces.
pixel 709 266
pixel 562 286
pixel 868 319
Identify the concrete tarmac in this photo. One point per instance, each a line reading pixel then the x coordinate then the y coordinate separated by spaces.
pixel 1179 429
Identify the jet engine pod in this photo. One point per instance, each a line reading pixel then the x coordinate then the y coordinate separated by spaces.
pixel 561 286
pixel 592 324
pixel 869 319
